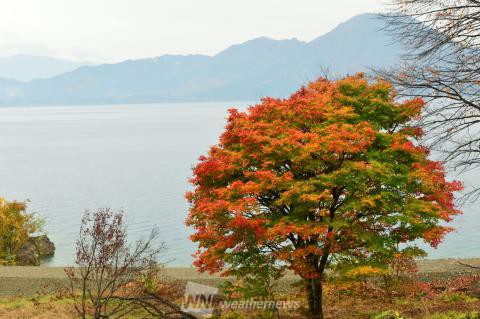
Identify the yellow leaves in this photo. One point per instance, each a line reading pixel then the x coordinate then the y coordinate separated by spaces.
pixel 316 197
pixel 365 271
pixel 15 226
pixel 371 201
pixel 305 193
pixel 310 198
pixel 323 213
pixel 304 230
pixel 4 205
pixel 368 202
pixel 346 138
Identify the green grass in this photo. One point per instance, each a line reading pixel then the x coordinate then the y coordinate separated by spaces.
pixel 455 315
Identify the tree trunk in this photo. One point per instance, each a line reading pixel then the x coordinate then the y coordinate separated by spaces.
pixel 314 291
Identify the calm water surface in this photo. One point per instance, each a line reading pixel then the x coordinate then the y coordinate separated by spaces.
pixel 135 157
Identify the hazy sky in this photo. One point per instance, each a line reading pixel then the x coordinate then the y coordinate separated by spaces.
pixel 114 30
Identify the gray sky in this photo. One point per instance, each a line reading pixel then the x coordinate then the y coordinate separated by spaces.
pixel 114 30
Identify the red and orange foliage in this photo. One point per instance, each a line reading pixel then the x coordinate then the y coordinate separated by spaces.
pixel 334 172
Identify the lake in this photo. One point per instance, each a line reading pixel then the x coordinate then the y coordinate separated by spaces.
pixel 132 157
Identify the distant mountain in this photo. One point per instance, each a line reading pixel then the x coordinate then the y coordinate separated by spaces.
pixel 27 67
pixel 10 89
pixel 246 71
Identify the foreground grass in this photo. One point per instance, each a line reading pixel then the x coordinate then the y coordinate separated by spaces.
pixel 44 307
pixel 455 305
pixel 447 299
pixel 447 305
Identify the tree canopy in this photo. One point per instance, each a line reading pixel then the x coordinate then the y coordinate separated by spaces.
pixel 333 175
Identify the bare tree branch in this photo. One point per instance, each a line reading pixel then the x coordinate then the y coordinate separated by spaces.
pixel 441 65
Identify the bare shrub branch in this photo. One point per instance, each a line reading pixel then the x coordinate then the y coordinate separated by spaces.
pixel 108 270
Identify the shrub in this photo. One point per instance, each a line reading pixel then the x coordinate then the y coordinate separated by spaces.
pixel 16 225
pixel 110 272
pixel 458 297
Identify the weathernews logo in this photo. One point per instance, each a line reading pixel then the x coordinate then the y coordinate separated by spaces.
pixel 204 300
pixel 199 299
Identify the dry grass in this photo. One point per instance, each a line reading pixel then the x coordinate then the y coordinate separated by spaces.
pixel 46 307
pixel 358 307
pixel 38 299
pixel 338 306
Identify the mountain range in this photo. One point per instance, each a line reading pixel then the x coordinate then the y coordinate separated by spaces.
pixel 246 71
pixel 28 67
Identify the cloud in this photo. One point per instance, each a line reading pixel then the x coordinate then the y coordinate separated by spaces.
pixel 113 30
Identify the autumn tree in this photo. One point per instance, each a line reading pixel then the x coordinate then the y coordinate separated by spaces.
pixel 16 225
pixel 332 175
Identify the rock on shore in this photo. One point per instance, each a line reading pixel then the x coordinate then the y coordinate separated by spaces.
pixel 32 252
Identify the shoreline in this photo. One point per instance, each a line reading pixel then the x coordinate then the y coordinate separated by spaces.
pixel 190 272
pixel 30 281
